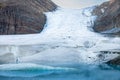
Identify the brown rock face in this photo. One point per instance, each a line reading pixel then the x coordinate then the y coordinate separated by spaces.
pixel 108 20
pixel 23 16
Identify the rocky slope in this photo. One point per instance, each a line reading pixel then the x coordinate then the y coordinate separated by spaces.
pixel 108 20
pixel 23 16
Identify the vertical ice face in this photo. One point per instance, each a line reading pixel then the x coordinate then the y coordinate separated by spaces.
pixel 15 51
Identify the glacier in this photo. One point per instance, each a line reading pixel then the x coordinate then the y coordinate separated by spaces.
pixel 67 40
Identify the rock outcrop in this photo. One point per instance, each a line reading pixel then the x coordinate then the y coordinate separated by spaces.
pixel 115 61
pixel 23 16
pixel 108 20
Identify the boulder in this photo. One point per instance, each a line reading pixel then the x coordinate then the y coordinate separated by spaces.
pixel 23 16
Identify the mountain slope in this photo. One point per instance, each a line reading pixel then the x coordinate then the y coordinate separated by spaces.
pixel 23 16
pixel 108 20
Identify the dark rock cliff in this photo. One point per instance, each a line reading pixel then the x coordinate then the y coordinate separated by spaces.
pixel 108 20
pixel 23 16
pixel 115 61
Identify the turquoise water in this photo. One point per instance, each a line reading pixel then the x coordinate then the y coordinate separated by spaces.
pixel 83 72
